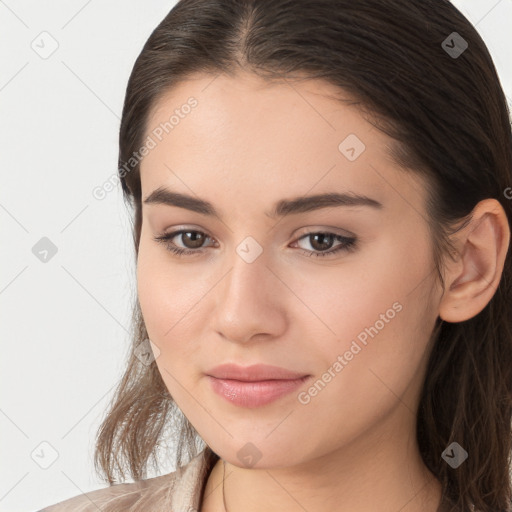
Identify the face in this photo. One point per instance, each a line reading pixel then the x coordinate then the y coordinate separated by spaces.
pixel 341 292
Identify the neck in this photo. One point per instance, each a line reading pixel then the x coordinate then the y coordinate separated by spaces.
pixel 379 473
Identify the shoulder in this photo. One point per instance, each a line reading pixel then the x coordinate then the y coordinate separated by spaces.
pixel 180 490
pixel 115 497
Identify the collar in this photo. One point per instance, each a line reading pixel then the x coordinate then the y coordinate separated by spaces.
pixel 190 481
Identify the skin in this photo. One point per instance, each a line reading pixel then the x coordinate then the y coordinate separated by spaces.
pixel 247 145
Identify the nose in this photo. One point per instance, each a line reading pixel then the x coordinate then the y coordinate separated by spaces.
pixel 250 301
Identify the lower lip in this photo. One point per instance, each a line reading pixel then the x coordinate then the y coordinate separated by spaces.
pixel 254 394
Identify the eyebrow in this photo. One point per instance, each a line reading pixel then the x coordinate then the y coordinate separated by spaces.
pixel 282 208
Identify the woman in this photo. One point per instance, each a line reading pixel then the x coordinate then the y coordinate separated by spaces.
pixel 321 200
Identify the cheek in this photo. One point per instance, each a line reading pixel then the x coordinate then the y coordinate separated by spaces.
pixel 367 287
pixel 373 310
pixel 170 301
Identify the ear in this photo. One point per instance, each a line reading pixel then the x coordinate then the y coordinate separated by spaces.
pixel 482 247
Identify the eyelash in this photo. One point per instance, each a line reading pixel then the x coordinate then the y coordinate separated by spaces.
pixel 348 245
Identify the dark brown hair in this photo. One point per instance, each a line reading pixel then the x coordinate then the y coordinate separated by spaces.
pixel 450 123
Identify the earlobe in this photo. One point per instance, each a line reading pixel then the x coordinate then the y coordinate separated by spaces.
pixel 472 282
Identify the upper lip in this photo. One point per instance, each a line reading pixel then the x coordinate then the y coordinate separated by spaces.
pixel 256 372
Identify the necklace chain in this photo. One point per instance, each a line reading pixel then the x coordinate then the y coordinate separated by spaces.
pixel 223 478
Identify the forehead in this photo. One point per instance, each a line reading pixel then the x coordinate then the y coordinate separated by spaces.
pixel 245 109
pixel 257 137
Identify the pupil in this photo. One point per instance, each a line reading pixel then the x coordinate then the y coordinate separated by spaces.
pixel 197 238
pixel 322 236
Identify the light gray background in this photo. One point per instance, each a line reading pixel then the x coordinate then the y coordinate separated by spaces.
pixel 66 321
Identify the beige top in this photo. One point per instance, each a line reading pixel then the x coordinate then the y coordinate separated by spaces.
pixel 179 491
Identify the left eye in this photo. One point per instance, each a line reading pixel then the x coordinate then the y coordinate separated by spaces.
pixel 318 240
pixel 197 238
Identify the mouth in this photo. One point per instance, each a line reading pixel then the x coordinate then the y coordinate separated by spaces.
pixel 255 385
pixel 254 373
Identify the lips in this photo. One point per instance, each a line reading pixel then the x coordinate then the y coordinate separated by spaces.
pixel 254 386
pixel 256 372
